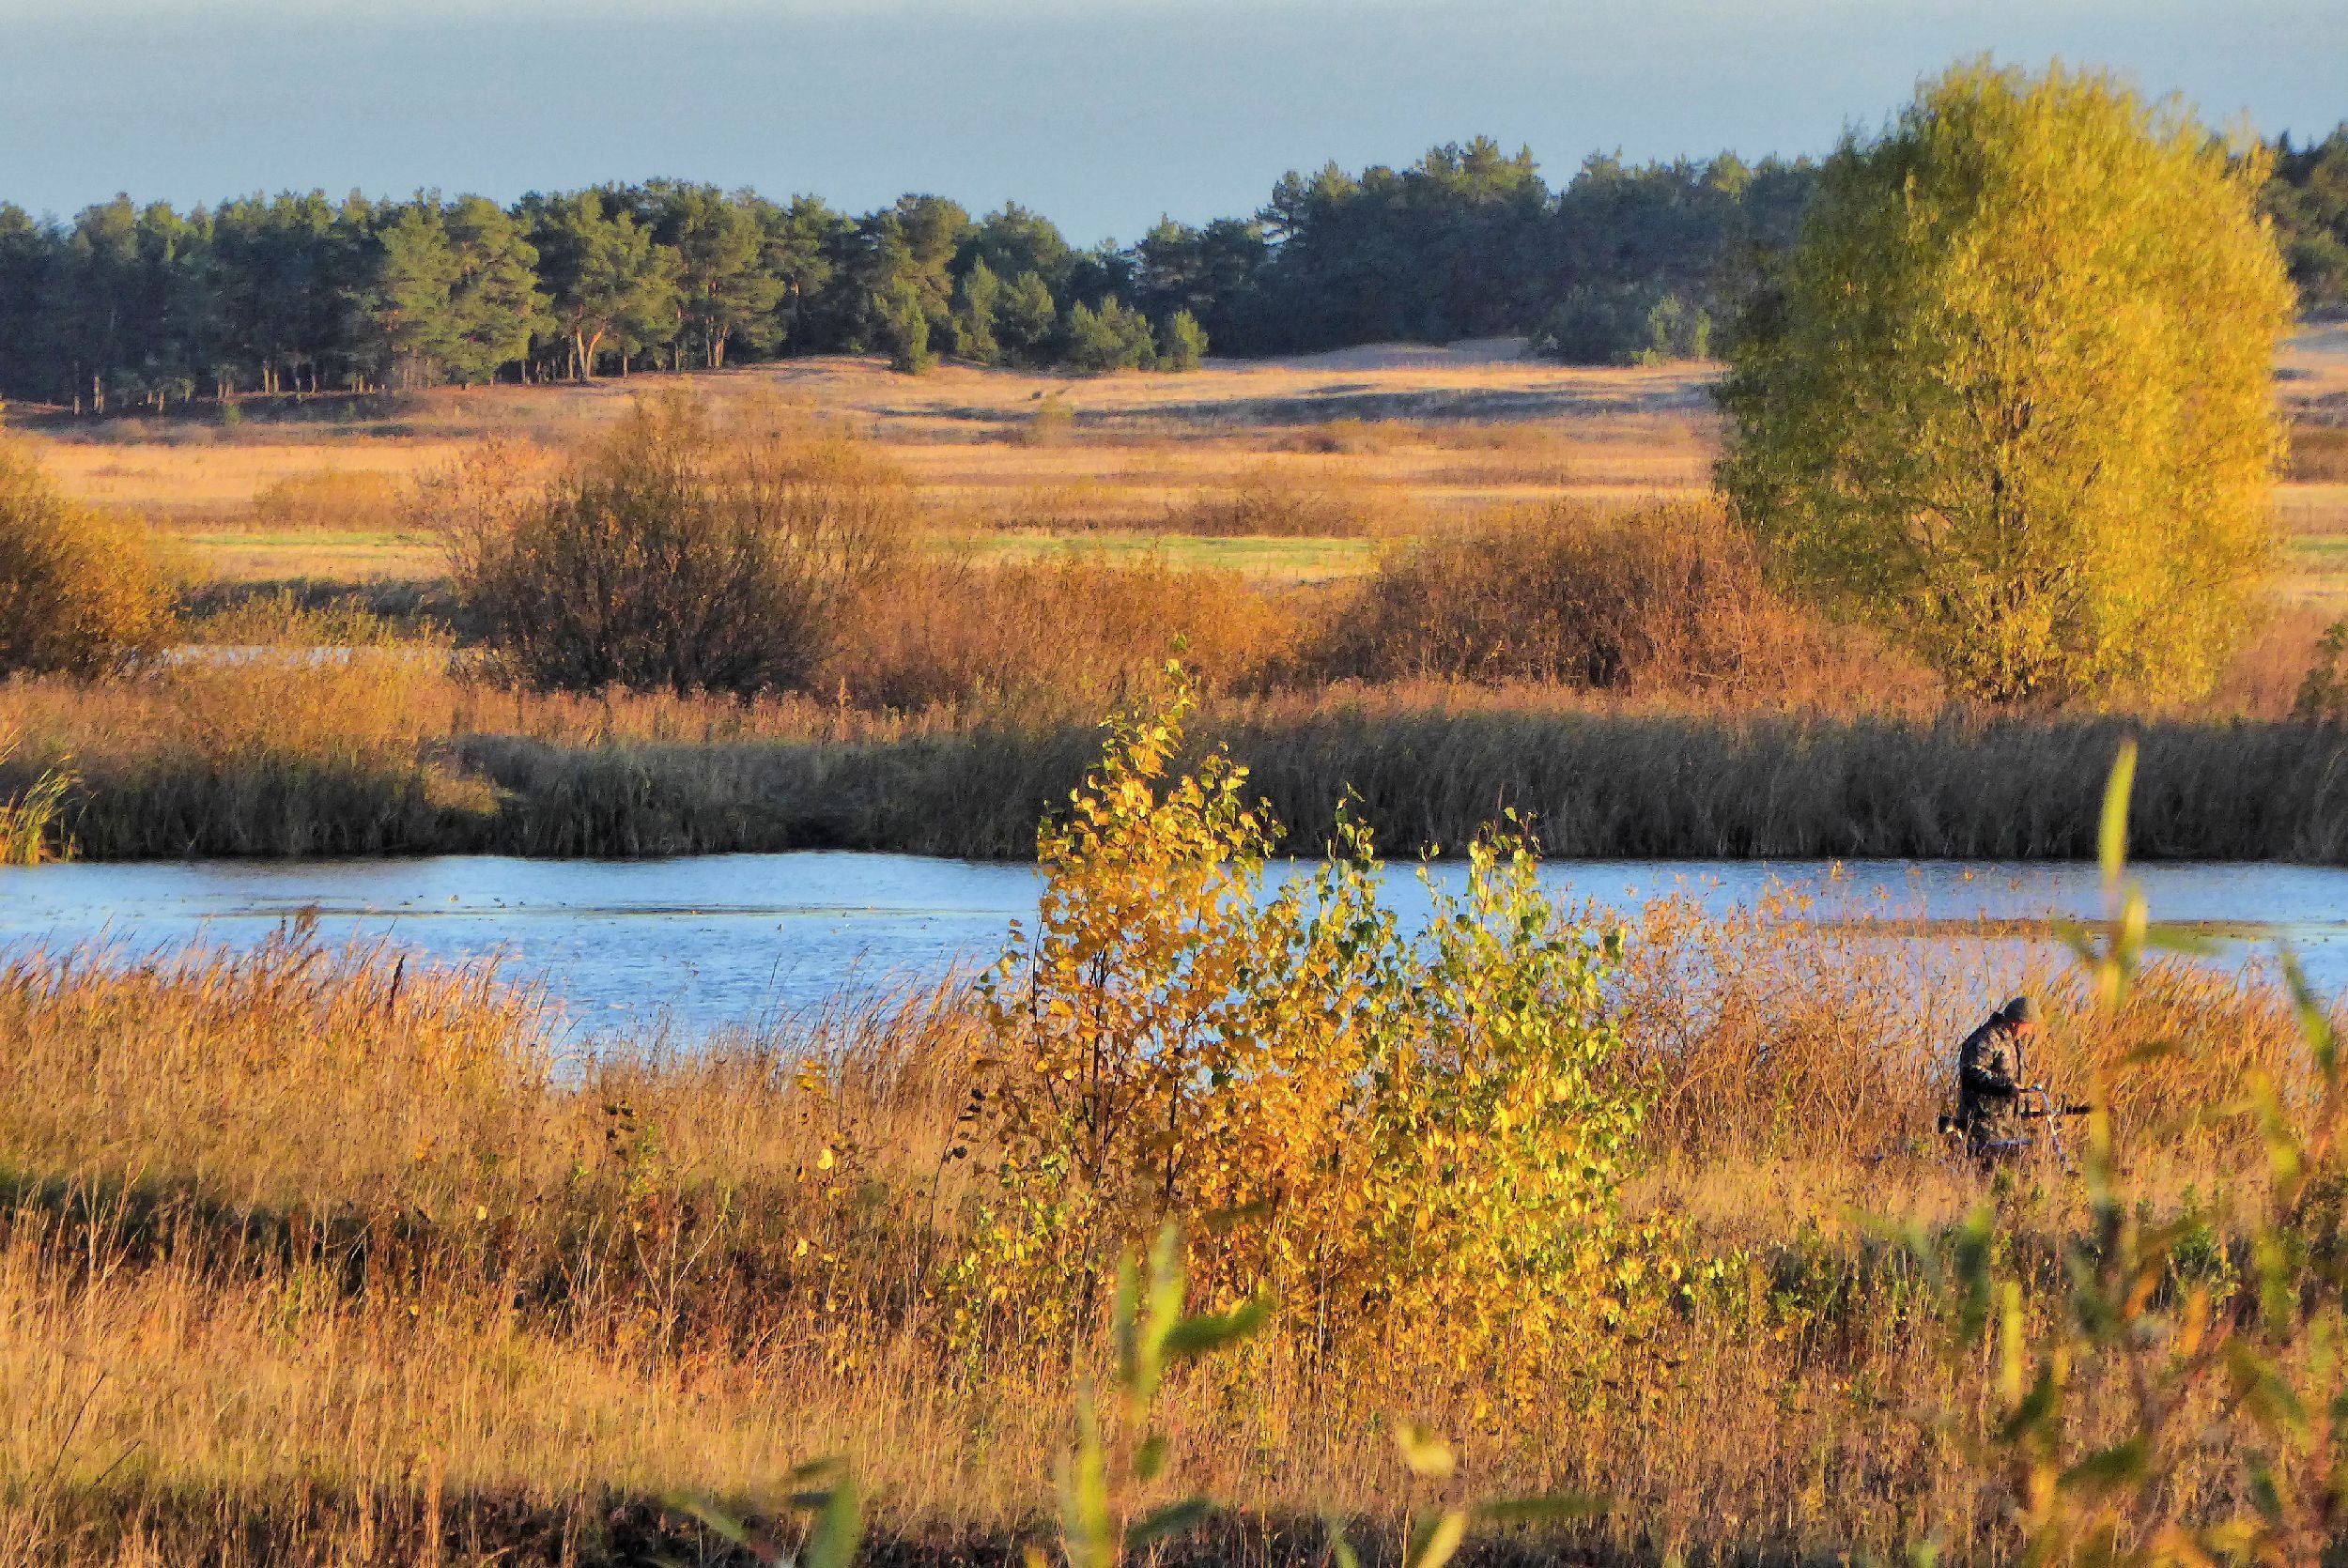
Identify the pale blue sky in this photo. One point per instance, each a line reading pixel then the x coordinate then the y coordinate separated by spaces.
pixel 1102 115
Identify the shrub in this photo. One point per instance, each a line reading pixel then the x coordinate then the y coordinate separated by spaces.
pixel 1072 634
pixel 328 498
pixel 1623 324
pixel 2009 398
pixel 676 554
pixel 1658 597
pixel 1276 500
pixel 80 591
pixel 2318 455
pixel 1051 423
pixel 1421 1138
pixel 276 683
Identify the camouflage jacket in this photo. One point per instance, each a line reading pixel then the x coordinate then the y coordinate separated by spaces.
pixel 1988 1066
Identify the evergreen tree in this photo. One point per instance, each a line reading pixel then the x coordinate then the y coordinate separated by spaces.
pixel 609 285
pixel 1026 320
pixel 976 300
pixel 1012 240
pixel 727 292
pixel 800 249
pixel 1115 337
pixel 1183 343
pixel 413 300
pixel 904 321
pixel 495 306
pixel 2308 198
pixel 32 263
pixel 901 260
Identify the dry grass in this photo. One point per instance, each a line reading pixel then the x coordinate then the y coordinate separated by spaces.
pixel 292 756
pixel 317 1256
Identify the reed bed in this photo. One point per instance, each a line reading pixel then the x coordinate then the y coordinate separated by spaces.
pixel 285 755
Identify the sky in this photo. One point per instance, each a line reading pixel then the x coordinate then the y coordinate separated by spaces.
pixel 1101 114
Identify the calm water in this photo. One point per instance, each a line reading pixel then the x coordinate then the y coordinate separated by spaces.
pixel 703 943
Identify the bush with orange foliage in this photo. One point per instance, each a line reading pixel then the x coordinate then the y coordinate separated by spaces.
pixel 1074 634
pixel 80 591
pixel 1663 597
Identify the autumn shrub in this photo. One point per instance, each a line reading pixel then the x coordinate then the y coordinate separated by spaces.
pixel 2318 454
pixel 330 498
pixel 1416 1139
pixel 1280 500
pixel 1661 597
pixel 280 682
pixel 681 552
pixel 81 592
pixel 1077 632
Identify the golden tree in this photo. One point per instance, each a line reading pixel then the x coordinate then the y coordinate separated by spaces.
pixel 2008 398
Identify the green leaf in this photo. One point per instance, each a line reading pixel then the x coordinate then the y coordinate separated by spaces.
pixel 2172 939
pixel 2113 841
pixel 1342 1553
pixel 1174 1518
pixel 2110 1468
pixel 838 1528
pixel 1547 1509
pixel 713 1518
pixel 2315 1024
pixel 1210 1332
pixel 1436 1540
pixel 1087 1536
pixel 1425 1453
pixel 1149 1459
pixel 1125 1325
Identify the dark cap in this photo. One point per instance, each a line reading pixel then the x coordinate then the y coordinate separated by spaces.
pixel 2020 1011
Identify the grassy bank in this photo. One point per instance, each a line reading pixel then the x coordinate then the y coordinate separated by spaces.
pixel 579 779
pixel 314 1256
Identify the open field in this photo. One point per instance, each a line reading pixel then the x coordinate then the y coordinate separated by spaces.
pixel 1365 445
pixel 1237 514
pixel 1352 446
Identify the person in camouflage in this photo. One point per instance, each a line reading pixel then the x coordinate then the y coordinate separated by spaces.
pixel 1989 1073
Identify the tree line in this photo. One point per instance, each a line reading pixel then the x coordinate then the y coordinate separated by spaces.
pixel 146 305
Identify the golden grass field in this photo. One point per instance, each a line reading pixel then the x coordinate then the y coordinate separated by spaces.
pixel 1286 470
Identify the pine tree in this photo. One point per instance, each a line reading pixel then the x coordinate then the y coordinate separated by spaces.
pixel 977 298
pixel 611 284
pixel 1115 337
pixel 1028 319
pixel 1183 343
pixel 411 303
pixel 905 328
pixel 726 291
pixel 495 306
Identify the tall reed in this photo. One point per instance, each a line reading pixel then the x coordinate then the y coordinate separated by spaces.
pixel 317 1256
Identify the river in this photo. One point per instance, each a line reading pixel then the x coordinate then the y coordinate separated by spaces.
pixel 696 944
